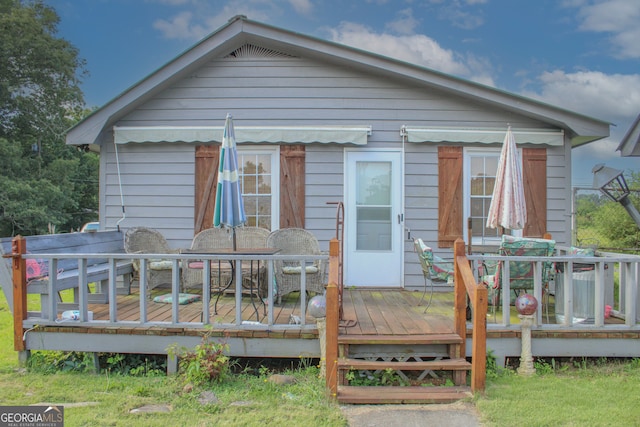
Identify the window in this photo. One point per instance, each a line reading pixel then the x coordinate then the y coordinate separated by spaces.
pixel 480 168
pixel 454 191
pixel 259 175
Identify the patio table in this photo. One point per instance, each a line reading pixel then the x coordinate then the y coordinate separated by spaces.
pixel 232 267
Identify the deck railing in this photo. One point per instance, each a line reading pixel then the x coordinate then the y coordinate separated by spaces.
pixel 465 286
pixel 23 319
pixel 590 282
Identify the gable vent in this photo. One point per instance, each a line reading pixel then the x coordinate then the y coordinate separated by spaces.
pixel 253 51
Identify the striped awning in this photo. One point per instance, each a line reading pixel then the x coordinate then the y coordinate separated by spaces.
pixel 257 134
pixel 481 135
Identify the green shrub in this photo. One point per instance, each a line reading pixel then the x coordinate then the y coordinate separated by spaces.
pixel 206 363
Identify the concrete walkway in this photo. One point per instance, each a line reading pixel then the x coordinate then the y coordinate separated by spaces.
pixel 459 414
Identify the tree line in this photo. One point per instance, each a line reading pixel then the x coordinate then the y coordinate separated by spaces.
pixel 45 185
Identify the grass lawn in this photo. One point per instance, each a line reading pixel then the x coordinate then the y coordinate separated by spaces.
pixel 578 393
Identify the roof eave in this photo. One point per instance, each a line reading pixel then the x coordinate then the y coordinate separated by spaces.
pixel 630 143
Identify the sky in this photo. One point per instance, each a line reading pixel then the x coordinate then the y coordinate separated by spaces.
pixel 581 55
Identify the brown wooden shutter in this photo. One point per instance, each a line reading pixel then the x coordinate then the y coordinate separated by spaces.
pixel 534 173
pixel 449 195
pixel 292 181
pixel 206 178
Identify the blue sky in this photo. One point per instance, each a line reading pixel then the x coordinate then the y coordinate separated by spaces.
pixel 582 55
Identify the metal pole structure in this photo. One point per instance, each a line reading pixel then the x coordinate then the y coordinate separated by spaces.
pixel 631 210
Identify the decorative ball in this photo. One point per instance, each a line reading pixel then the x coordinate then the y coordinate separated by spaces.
pixel 317 306
pixel 526 304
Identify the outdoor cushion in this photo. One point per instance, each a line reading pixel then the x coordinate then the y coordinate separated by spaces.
pixel 577 267
pixel 521 272
pixel 165 264
pixel 182 298
pixel 573 250
pixel 438 268
pixel 309 269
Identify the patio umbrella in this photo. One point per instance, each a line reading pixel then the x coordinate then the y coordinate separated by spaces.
pixel 229 207
pixel 508 208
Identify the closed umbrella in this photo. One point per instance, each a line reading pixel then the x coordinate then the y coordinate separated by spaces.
pixel 229 207
pixel 508 208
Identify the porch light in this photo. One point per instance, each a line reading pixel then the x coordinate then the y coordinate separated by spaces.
pixel 612 183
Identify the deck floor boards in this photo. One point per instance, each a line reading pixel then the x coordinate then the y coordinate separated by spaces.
pixel 365 311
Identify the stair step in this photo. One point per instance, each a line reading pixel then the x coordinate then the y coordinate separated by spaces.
pixel 401 339
pixel 413 394
pixel 440 365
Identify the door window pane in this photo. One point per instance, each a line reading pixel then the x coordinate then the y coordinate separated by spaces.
pixel 373 206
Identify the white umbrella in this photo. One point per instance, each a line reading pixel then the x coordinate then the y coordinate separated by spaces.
pixel 229 207
pixel 508 208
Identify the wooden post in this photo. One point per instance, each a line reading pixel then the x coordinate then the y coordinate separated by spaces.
pixel 479 343
pixel 19 269
pixel 333 319
pixel 460 294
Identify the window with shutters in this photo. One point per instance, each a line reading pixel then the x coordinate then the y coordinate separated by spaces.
pixel 455 199
pixel 259 175
pixel 480 168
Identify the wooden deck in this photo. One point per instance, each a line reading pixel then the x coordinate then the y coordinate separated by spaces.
pixel 396 312
pixel 368 312
pixel 390 315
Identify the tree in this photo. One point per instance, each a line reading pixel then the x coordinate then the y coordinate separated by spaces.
pixel 44 182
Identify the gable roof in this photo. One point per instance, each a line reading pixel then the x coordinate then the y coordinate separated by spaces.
pixel 630 143
pixel 240 31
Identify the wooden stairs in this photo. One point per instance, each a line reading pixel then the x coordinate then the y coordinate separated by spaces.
pixel 413 358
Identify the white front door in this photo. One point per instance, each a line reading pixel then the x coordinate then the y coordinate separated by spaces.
pixel 373 218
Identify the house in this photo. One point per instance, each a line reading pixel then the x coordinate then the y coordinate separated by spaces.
pixel 630 143
pixel 410 151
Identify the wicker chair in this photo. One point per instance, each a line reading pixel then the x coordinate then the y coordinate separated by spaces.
pixel 142 240
pixel 254 237
pixel 296 241
pixel 218 238
pixel 209 239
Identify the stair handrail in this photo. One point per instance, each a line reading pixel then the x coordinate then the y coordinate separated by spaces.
pixel 465 285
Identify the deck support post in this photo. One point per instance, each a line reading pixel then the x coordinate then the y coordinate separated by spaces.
pixel 172 364
pixel 465 284
pixel 333 320
pixel 19 276
pixel 23 358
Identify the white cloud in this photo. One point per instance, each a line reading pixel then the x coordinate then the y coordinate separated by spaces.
pixel 303 7
pixel 619 18
pixel 180 27
pixel 405 23
pixel 460 15
pixel 416 49
pixel 610 97
pixel 204 17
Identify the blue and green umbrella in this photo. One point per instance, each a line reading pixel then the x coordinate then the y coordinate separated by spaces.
pixel 229 208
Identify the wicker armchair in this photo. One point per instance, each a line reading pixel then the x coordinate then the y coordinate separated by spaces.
pixel 142 240
pixel 296 241
pixel 254 237
pixel 208 239
pixel 218 238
